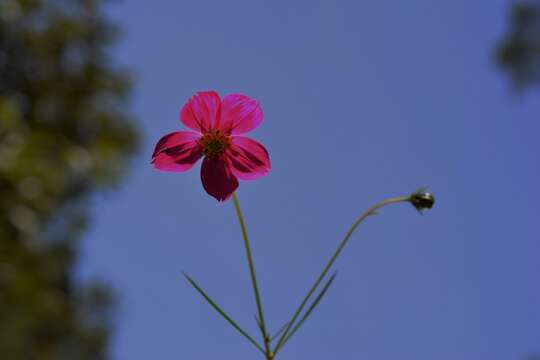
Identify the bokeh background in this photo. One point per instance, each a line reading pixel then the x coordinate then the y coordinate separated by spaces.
pixel 362 101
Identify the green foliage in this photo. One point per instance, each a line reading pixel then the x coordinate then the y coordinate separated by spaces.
pixel 64 134
pixel 223 313
pixel 519 52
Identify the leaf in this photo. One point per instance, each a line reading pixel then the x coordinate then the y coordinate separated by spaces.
pixel 283 327
pixel 222 313
pixel 307 313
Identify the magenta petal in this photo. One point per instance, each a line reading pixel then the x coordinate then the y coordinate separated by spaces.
pixel 248 158
pixel 177 151
pixel 202 111
pixel 217 178
pixel 239 114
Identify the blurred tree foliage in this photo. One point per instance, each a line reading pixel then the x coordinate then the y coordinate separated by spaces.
pixel 519 52
pixel 64 134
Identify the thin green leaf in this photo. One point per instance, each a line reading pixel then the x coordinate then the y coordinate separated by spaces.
pixel 259 324
pixel 308 312
pixel 222 313
pixel 283 327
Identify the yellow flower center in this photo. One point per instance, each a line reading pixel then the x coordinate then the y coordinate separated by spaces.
pixel 214 143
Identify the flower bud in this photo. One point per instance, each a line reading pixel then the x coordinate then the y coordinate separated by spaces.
pixel 422 200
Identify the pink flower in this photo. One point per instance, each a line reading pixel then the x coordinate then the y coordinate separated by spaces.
pixel 227 156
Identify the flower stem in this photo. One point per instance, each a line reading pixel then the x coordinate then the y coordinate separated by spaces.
pixel 264 332
pixel 368 212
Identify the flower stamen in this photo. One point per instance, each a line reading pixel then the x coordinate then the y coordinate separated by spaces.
pixel 214 143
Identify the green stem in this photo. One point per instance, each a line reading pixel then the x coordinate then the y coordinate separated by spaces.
pixel 264 332
pixel 340 247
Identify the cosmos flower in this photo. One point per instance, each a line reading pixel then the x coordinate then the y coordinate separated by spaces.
pixel 227 156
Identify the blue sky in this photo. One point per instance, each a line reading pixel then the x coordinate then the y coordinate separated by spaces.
pixel 363 100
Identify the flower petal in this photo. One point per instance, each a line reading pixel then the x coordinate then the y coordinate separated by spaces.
pixel 177 151
pixel 239 114
pixel 201 111
pixel 217 178
pixel 248 158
